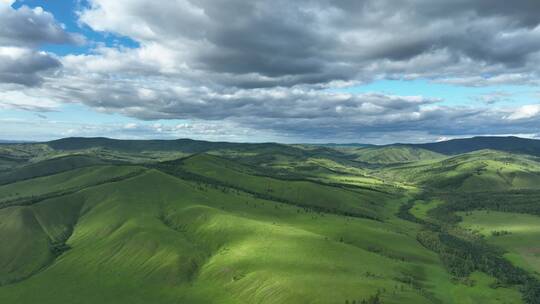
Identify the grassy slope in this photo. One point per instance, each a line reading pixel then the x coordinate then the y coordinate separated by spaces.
pixel 48 167
pixel 393 155
pixel 523 241
pixel 33 229
pixel 465 145
pixel 306 193
pixel 479 171
pixel 28 244
pixel 63 181
pixel 157 239
pixel 214 245
pixel 326 170
pixel 421 208
pixel 23 152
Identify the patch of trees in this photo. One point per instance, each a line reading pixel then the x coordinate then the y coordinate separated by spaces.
pixel 405 214
pixel 500 233
pixel 519 201
pixel 34 199
pixel 462 257
pixel 176 170
pixel 57 248
pixel 373 299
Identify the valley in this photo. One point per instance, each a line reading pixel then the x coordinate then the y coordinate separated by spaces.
pixel 94 220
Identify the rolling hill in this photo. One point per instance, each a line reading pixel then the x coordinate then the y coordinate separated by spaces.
pixel 393 155
pixel 483 170
pixel 105 221
pixel 465 145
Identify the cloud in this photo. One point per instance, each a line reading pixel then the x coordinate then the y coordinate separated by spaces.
pixel 296 114
pixel 265 68
pixel 25 66
pixel 14 99
pixel 309 42
pixel 525 112
pixel 22 30
pixel 493 97
pixel 47 129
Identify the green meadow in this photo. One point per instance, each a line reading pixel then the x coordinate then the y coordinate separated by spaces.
pixel 518 234
pixel 262 224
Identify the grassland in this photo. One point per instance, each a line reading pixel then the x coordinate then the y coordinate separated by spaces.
pixel 483 170
pixel 234 224
pixel 422 208
pixel 518 234
pixel 393 155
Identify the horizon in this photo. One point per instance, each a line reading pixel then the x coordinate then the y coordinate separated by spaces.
pixel 6 141
pixel 302 72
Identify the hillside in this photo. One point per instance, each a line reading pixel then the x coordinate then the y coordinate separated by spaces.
pixel 478 171
pixel 264 224
pixel 183 145
pixel 465 145
pixel 49 166
pixel 122 234
pixel 393 155
pixel 301 193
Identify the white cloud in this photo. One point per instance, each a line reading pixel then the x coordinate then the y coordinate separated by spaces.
pixel 130 126
pixel 525 112
pixel 493 97
pixel 265 67
pixel 23 101
pixel 7 2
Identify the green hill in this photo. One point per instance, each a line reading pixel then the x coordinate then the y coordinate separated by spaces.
pixel 465 145
pixel 265 224
pixel 184 145
pixel 63 182
pixel 478 171
pixel 393 155
pixel 196 244
pixel 304 193
pixel 49 166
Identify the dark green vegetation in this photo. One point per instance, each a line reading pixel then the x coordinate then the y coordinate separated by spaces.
pixel 108 221
pixel 466 145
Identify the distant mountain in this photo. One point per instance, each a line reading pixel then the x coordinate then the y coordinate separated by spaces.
pixel 347 145
pixel 452 147
pixel 7 141
pixel 484 170
pixel 184 145
pixel 507 144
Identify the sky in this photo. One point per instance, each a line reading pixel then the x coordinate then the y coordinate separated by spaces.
pixel 304 71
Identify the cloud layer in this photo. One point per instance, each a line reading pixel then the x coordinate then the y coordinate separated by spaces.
pixel 275 66
pixel 306 42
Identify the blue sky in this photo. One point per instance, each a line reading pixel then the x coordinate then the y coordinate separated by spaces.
pixel 66 12
pixel 179 69
pixel 449 94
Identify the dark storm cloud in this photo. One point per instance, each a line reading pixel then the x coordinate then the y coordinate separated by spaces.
pixel 524 12
pixel 22 66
